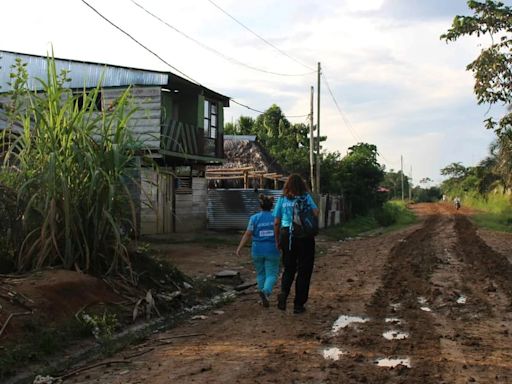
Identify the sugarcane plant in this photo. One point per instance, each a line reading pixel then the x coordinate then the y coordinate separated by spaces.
pixel 71 165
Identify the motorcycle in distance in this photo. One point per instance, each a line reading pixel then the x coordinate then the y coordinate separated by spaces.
pixel 456 202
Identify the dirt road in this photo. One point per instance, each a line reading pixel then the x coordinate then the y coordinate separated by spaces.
pixel 434 298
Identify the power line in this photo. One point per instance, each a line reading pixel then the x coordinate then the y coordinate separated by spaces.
pixel 164 61
pixel 139 43
pixel 256 110
pixel 345 119
pixel 260 37
pixel 215 51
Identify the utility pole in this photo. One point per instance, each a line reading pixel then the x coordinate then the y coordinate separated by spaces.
pixel 312 145
pixel 318 131
pixel 410 184
pixel 402 172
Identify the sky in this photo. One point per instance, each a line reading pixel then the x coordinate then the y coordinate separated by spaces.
pixel 396 84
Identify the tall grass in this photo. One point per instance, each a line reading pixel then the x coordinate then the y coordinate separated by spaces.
pixel 494 210
pixel 70 166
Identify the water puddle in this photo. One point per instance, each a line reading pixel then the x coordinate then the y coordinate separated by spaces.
pixel 392 363
pixel 393 320
pixel 422 300
pixel 462 299
pixel 332 353
pixel 395 335
pixel 395 306
pixel 344 321
pixel 426 309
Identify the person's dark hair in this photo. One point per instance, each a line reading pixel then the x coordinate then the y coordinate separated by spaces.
pixel 294 186
pixel 266 202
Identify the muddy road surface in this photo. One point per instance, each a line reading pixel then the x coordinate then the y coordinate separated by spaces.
pixel 428 304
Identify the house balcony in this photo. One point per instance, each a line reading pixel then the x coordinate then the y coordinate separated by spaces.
pixel 187 141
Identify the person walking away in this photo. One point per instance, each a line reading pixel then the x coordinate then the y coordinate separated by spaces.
pixel 298 253
pixel 265 254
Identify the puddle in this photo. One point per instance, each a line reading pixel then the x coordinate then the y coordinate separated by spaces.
pixel 395 335
pixel 332 353
pixel 393 320
pixel 392 363
pixel 422 300
pixel 426 309
pixel 395 306
pixel 344 321
pixel 462 300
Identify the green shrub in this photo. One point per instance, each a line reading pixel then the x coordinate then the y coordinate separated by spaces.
pixel 387 215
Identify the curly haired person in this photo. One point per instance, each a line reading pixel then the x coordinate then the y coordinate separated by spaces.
pixel 298 253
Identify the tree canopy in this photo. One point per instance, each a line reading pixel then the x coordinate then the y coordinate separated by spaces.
pixel 492 69
pixel 360 176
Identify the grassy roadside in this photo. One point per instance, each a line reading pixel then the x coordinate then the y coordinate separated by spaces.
pixel 501 222
pixel 394 215
pixel 494 212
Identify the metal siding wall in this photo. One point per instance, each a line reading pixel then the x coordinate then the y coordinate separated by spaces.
pixel 231 208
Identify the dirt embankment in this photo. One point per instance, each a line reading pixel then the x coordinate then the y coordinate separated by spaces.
pixel 433 301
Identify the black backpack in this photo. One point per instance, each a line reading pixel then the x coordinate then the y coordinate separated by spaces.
pixel 304 221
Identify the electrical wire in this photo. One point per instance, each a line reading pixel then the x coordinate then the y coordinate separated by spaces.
pixel 139 43
pixel 345 119
pixel 215 51
pixel 260 37
pixel 164 61
pixel 257 110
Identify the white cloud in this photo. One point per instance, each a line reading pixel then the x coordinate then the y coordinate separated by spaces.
pixel 388 72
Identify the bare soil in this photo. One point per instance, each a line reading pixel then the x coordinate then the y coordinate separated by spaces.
pixel 446 286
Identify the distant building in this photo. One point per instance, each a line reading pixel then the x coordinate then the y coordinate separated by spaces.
pixel 247 165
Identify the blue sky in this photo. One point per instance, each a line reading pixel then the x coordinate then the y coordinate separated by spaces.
pixel 399 86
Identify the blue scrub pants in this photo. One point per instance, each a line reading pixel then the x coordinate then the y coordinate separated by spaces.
pixel 267 271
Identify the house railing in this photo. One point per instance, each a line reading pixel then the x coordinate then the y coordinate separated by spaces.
pixel 181 137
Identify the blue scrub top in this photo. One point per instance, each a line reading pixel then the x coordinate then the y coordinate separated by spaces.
pixel 284 209
pixel 261 226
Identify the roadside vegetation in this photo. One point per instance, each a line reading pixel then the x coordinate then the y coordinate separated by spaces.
pixel 487 186
pixel 393 215
pixel 71 167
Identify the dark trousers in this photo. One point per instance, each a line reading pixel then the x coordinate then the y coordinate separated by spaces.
pixel 299 260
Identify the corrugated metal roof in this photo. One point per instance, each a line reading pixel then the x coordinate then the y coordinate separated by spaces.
pixel 231 208
pixel 239 138
pixel 82 74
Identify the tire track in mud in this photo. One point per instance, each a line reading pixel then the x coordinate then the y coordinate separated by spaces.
pixel 445 296
pixel 404 295
pixel 454 294
pixel 473 311
pixel 395 306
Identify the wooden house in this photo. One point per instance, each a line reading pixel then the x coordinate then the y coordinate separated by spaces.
pixel 179 122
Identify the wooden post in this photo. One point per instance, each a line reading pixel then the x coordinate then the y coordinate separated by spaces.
pixel 311 147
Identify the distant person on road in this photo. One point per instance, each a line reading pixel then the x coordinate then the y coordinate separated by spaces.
pixel 265 254
pixel 456 202
pixel 298 253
